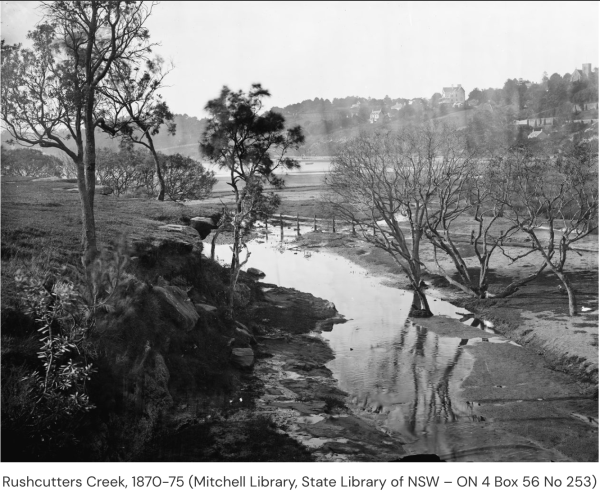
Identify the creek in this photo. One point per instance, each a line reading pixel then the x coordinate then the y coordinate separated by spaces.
pixel 404 377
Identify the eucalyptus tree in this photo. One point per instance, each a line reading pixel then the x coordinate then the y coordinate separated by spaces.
pixel 251 145
pixel 134 109
pixel 49 93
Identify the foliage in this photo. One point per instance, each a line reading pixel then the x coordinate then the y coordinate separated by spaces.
pixel 241 139
pixel 135 109
pixel 124 170
pixel 49 93
pixel 186 178
pixel 56 391
pixel 29 162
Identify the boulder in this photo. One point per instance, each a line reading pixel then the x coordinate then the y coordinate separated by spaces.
pixel 179 306
pixel 243 337
pixel 255 272
pixel 205 308
pixel 104 189
pixel 181 229
pixel 166 240
pixel 242 357
pixel 202 225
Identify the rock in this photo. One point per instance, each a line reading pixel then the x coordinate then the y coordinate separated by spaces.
pixel 243 337
pixel 182 229
pixel 202 225
pixel 162 242
pixel 205 308
pixel 306 408
pixel 242 357
pixel 255 272
pixel 104 189
pixel 179 306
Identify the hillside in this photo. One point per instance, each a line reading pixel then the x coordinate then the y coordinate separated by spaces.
pixel 185 140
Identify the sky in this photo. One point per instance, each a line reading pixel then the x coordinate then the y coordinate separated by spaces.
pixel 303 50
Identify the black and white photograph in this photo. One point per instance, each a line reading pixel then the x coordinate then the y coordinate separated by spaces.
pixel 307 232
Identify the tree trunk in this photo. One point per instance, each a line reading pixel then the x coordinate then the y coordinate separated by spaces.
pixel 213 243
pixel 420 305
pixel 86 180
pixel 161 180
pixel 570 292
pixel 88 235
pixel 514 287
pixel 234 270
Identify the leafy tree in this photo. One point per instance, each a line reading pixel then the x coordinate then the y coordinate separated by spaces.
pixel 122 170
pixel 30 162
pixel 186 178
pixel 250 146
pixel 135 110
pixel 50 92
pixel 476 94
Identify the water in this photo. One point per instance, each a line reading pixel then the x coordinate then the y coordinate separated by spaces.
pixel 404 376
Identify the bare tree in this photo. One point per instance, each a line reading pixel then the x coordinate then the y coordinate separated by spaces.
pixel 377 182
pixel 466 189
pixel 50 92
pixel 554 200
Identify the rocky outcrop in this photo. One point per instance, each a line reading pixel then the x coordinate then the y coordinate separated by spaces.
pixel 256 272
pixel 202 225
pixel 242 357
pixel 171 239
pixel 178 306
pixel 296 311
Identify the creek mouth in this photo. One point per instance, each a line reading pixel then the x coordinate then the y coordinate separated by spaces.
pixel 399 375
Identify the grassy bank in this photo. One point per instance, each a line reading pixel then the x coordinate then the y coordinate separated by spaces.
pixel 160 348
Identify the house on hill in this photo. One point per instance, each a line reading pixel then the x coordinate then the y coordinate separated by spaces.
pixel 453 94
pixel 398 106
pixel 375 116
pixel 583 74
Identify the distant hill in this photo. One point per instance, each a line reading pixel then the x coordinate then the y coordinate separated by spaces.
pixel 184 142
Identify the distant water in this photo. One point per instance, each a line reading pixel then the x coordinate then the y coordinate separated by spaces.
pixel 311 173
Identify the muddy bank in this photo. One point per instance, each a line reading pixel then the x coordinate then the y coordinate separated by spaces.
pixel 300 394
pixel 432 385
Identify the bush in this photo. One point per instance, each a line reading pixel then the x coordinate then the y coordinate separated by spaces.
pixel 186 178
pixel 30 162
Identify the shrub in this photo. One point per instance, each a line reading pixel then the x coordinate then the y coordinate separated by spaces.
pixel 186 178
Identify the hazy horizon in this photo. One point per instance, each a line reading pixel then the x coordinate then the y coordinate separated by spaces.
pixel 301 50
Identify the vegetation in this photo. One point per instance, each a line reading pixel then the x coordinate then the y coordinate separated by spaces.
pixel 557 195
pixel 50 92
pixel 430 178
pixel 241 140
pixel 30 162
pixel 135 110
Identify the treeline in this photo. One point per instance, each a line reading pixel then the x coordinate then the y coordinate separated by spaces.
pixel 132 171
pixel 30 162
pixel 430 178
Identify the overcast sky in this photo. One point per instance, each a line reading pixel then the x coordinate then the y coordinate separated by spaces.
pixel 301 50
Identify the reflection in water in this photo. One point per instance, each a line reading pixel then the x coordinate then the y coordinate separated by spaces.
pixel 406 377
